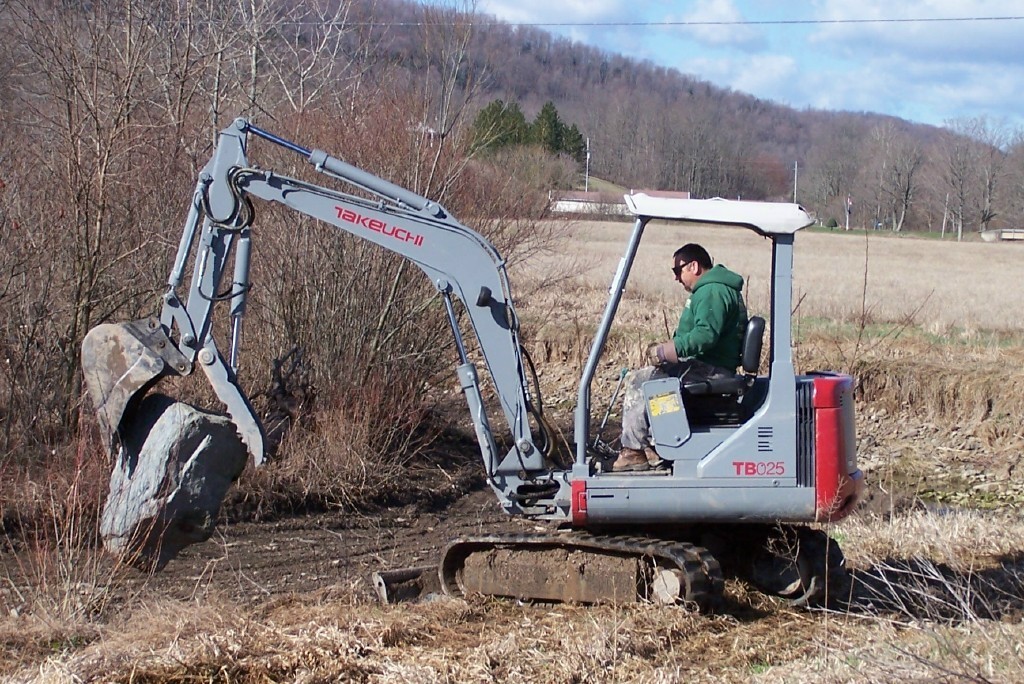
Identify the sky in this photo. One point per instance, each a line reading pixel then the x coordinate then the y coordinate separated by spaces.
pixel 825 54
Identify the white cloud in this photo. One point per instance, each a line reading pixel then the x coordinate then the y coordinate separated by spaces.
pixel 768 73
pixel 931 70
pixel 772 77
pixel 976 39
pixel 716 25
pixel 568 12
pixel 564 11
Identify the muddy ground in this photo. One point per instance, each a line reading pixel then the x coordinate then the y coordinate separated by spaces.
pixel 310 551
pixel 254 556
pixel 290 599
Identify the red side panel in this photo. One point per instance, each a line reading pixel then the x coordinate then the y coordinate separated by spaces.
pixel 828 457
pixel 578 507
pixel 838 482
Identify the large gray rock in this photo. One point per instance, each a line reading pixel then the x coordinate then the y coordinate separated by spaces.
pixel 174 468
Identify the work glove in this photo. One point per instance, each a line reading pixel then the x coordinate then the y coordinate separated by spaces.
pixel 659 354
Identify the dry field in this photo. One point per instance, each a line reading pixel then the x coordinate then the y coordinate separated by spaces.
pixel 932 330
pixel 946 289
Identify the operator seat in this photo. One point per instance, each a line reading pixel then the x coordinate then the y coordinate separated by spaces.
pixel 717 401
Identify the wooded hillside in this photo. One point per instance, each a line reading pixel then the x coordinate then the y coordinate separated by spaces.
pixel 654 127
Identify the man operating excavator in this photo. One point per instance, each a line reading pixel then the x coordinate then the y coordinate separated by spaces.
pixel 707 344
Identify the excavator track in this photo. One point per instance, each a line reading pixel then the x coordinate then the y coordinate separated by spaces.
pixel 582 568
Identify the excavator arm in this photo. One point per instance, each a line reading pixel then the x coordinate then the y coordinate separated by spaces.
pixel 122 361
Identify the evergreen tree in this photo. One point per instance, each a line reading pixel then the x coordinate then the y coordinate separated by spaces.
pixel 502 124
pixel 574 144
pixel 547 129
pixel 499 124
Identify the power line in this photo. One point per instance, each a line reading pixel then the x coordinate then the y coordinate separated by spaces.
pixel 760 22
pixel 607 24
pixel 474 19
pixel 686 22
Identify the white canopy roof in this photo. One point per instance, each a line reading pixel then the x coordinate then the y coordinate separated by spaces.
pixel 770 218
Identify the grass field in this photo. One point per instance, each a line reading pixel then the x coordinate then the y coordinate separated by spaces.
pixel 935 332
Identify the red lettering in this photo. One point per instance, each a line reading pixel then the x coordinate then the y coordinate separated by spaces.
pixel 759 468
pixel 378 226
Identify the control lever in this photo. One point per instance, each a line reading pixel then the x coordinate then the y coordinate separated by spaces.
pixel 608 411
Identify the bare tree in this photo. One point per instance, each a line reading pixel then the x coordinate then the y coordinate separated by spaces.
pixel 974 169
pixel 957 169
pixel 832 167
pixel 1015 177
pixel 309 52
pixel 85 113
pixel 455 78
pixel 899 158
pixel 229 46
pixel 902 186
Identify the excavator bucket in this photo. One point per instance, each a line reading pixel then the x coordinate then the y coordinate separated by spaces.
pixel 173 463
pixel 120 362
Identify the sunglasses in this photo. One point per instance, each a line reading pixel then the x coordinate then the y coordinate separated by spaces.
pixel 677 270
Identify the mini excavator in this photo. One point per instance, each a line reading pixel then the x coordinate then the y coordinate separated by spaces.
pixel 755 463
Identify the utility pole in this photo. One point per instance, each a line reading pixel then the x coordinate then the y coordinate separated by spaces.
pixel 796 167
pixel 586 172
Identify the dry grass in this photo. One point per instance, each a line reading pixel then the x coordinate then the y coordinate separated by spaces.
pixel 353 451
pixel 963 539
pixel 53 523
pixel 325 638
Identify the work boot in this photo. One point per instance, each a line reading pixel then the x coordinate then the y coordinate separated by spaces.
pixel 630 460
pixel 653 459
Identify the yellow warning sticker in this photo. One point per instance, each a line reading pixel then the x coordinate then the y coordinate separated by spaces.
pixel 664 403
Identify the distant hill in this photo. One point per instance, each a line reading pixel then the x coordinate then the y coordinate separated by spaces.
pixel 651 126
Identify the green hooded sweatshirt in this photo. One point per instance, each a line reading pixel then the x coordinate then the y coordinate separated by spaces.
pixel 714 320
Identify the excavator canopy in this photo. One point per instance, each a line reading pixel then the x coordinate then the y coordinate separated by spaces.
pixel 766 218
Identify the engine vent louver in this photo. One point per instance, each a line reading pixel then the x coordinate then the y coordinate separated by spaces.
pixel 805 433
pixel 764 439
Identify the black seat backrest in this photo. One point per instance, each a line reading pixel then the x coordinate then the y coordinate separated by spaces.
pixel 753 339
pixel 750 361
pixel 717 401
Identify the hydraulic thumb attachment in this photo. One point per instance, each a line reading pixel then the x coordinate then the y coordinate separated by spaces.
pixel 173 462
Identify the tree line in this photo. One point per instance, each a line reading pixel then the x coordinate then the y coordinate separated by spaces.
pixel 650 126
pixel 654 127
pixel 500 125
